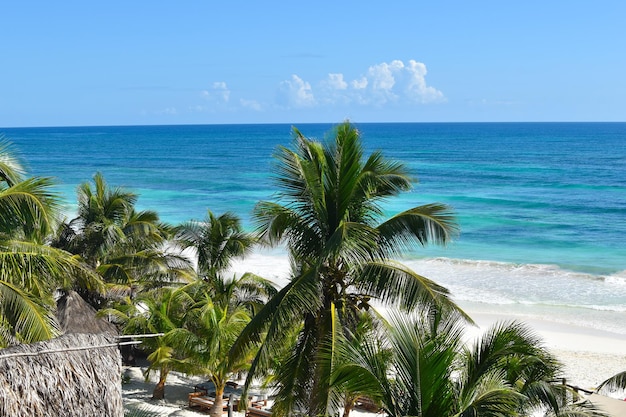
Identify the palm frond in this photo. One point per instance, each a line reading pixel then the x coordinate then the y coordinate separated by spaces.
pixel 491 397
pixel 276 223
pixel 284 311
pixel 617 381
pixel 499 343
pixel 28 207
pixel 42 269
pixel 428 224
pixel 29 318
pixel 393 283
pixel 11 167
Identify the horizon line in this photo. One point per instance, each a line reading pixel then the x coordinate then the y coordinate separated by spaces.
pixel 303 123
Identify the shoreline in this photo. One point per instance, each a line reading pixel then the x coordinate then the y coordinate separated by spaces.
pixel 589 356
pixel 580 338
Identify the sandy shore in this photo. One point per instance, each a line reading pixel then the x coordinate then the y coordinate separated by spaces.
pixel 137 393
pixel 589 357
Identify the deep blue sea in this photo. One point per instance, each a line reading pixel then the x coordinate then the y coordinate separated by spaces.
pixel 542 206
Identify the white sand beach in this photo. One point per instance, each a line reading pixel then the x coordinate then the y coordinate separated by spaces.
pixel 137 393
pixel 589 357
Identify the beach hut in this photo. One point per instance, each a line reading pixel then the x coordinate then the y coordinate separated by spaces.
pixel 72 375
pixel 75 315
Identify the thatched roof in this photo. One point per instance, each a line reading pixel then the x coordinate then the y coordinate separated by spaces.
pixel 57 378
pixel 75 315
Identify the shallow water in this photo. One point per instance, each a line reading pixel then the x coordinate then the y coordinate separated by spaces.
pixel 542 206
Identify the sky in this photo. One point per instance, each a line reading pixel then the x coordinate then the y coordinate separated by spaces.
pixel 79 63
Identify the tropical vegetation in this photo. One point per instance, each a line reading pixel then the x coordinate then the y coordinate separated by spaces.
pixel 329 213
pixel 31 271
pixel 319 342
pixel 421 365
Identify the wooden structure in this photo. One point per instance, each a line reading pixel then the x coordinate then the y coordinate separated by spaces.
pixel 258 412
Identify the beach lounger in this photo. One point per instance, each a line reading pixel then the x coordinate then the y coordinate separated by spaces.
pixel 257 412
pixel 612 406
pixel 200 402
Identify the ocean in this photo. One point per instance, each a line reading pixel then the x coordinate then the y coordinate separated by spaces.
pixel 542 206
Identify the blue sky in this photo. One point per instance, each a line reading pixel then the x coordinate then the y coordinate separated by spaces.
pixel 139 62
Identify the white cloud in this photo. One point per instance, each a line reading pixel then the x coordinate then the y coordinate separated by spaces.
pixel 416 86
pixel 335 82
pixel 359 84
pixel 197 108
pixel 383 83
pixel 382 75
pixel 168 110
pixel 295 93
pixel 394 82
pixel 218 92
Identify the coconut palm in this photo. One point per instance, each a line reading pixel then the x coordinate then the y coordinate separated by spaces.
pixel 208 335
pixel 30 270
pixel 330 216
pixel 128 248
pixel 431 372
pixel 160 310
pixel 216 243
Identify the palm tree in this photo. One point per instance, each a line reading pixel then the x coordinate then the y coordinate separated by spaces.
pixel 216 242
pixel 126 247
pixel 31 271
pixel 432 373
pixel 208 335
pixel 615 382
pixel 329 214
pixel 160 310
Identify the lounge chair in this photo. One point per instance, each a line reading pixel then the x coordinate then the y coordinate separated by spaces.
pixel 198 400
pixel 257 412
pixel 612 406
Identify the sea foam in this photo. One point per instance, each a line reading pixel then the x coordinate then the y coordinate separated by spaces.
pixel 545 292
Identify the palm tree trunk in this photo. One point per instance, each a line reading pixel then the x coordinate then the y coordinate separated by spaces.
pixel 321 375
pixel 348 405
pixel 218 406
pixel 159 389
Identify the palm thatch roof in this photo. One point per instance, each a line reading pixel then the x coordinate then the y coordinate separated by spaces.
pixel 75 315
pixel 73 375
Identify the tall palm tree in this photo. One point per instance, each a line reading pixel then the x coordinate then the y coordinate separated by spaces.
pixel 30 270
pixel 216 241
pixel 128 248
pixel 329 214
pixel 431 372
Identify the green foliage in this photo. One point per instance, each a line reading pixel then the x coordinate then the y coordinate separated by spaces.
pixel 142 411
pixel 429 370
pixel 125 247
pixel 329 214
pixel 216 241
pixel 31 271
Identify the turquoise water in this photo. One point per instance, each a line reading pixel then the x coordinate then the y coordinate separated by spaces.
pixel 544 203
